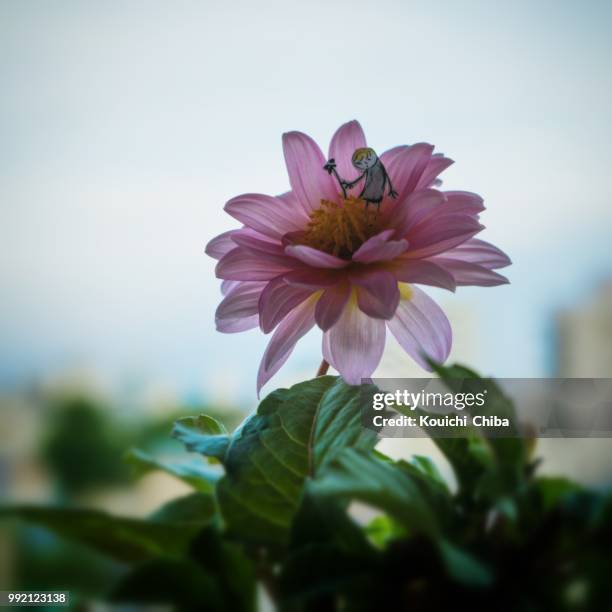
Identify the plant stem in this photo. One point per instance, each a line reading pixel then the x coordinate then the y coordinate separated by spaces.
pixel 323 368
pixel 268 580
pixel 265 573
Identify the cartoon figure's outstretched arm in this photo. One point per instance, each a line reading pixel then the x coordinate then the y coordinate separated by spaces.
pixel 351 184
pixel 330 168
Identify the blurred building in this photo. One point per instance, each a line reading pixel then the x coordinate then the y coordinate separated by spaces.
pixel 583 337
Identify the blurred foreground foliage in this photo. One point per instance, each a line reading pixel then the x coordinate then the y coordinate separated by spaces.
pixel 83 446
pixel 85 440
pixel 271 506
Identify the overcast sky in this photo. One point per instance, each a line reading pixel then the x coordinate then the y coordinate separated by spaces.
pixel 125 126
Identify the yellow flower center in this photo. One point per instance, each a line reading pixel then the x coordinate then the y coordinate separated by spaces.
pixel 340 228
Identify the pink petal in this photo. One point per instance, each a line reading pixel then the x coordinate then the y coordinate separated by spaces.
pixel 271 251
pixel 293 238
pixel 331 304
pixel 347 138
pixel 464 202
pixel 423 272
pixel 250 232
pixel 232 326
pixel 277 300
pixel 309 182
pixel 377 291
pixel 414 209
pixel 467 273
pixel 227 286
pixel 421 328
pixel 481 253
pixel 268 215
pixel 390 155
pixel 356 344
pixel 295 325
pixel 314 257
pixel 310 278
pixel 291 200
pixel 380 248
pixel 241 302
pixel 326 350
pixel 258 243
pixel 221 245
pixel 440 233
pixel 436 165
pixel 405 167
pixel 240 264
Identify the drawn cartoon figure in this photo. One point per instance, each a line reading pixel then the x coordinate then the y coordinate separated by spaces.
pixel 376 177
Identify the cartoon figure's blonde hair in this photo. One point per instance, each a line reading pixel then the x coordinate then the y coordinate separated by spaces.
pixel 361 153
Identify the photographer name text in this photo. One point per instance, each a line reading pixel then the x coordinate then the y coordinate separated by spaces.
pixel 402 401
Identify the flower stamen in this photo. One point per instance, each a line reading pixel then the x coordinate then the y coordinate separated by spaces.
pixel 340 228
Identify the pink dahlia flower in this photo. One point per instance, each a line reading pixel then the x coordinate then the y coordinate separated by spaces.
pixel 312 256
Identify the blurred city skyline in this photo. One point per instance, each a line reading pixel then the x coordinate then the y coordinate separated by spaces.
pixel 127 126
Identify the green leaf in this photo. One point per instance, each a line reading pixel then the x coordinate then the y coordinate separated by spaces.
pixel 433 491
pixel 180 582
pixel 226 562
pixel 508 450
pixel 454 374
pixel 215 575
pixel 485 467
pixel 202 434
pixel 428 468
pixel 383 529
pixel 552 489
pixel 469 456
pixel 463 567
pixel 293 434
pixel 329 555
pixel 125 539
pixel 408 496
pixel 198 508
pixel 324 520
pixel 195 474
pixel 359 475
